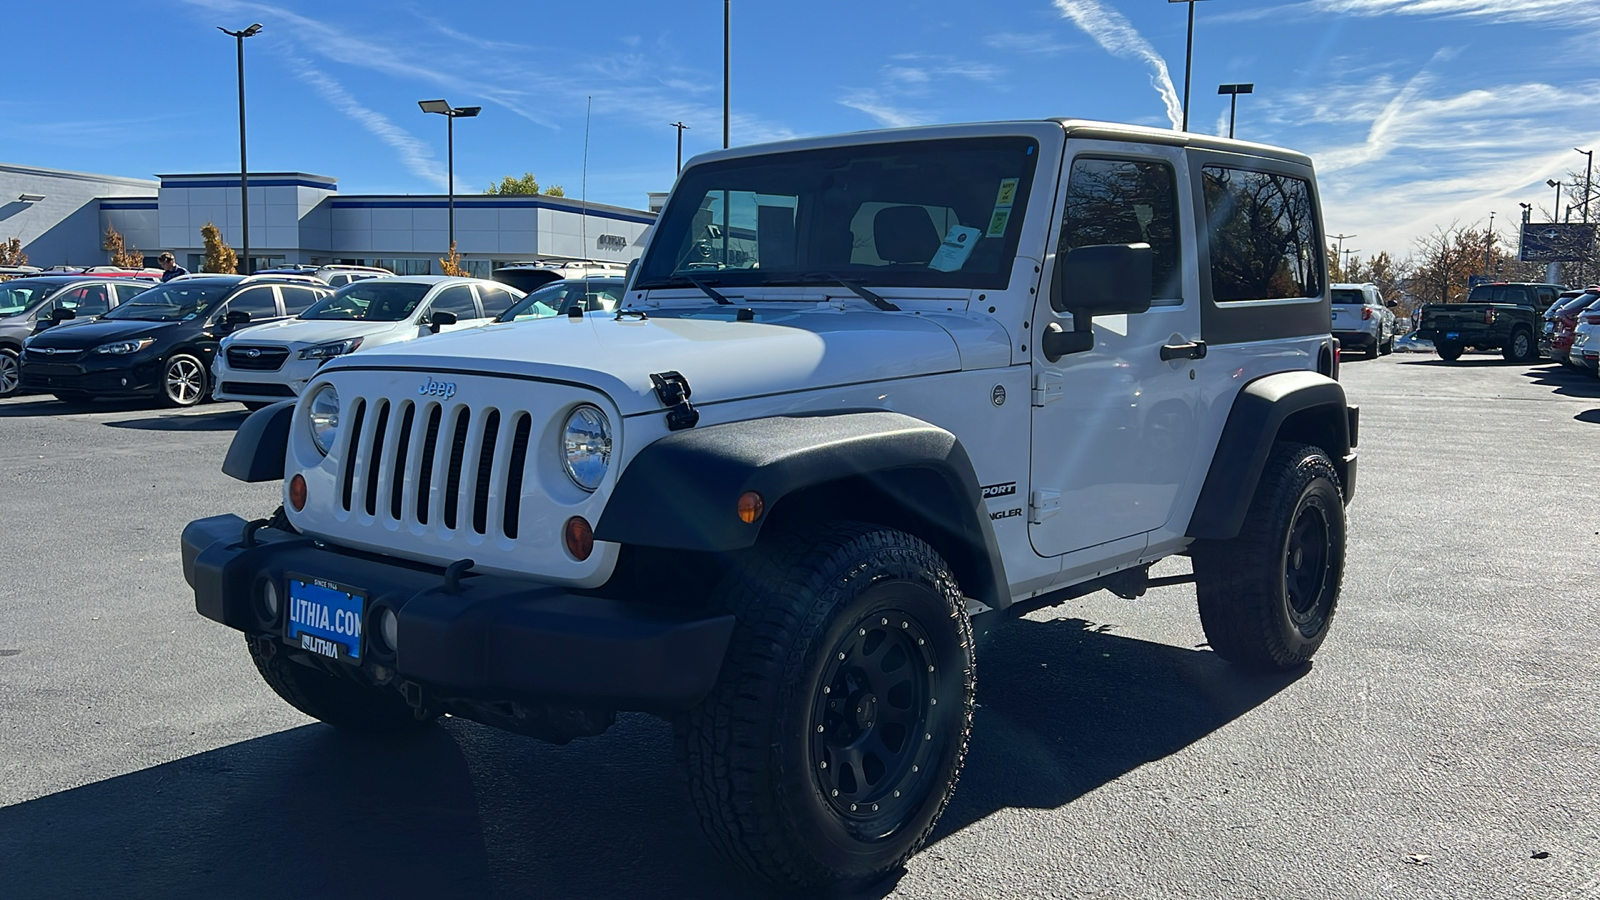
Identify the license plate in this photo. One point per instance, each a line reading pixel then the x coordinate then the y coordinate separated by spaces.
pixel 1452 335
pixel 325 618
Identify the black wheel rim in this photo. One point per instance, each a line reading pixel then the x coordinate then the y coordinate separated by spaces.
pixel 1307 564
pixel 874 738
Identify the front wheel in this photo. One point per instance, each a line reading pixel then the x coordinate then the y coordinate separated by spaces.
pixel 836 733
pixel 1268 595
pixel 10 373
pixel 1521 349
pixel 1449 352
pixel 184 381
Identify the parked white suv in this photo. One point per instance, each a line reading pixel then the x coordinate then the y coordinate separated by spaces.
pixel 926 375
pixel 1362 320
pixel 341 275
pixel 267 363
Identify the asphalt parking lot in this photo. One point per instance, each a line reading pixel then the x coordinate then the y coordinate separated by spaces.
pixel 1445 743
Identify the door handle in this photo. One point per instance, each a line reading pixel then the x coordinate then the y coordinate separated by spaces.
pixel 1191 350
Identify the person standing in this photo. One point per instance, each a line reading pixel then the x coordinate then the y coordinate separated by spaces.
pixel 170 267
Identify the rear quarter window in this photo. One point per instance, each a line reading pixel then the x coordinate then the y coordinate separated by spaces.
pixel 1262 228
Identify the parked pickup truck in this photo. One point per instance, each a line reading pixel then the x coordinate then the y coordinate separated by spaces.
pixel 1504 317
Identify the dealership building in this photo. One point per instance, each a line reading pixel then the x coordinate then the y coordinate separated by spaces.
pixel 61 218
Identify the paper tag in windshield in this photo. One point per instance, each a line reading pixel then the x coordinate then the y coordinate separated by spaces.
pixel 998 223
pixel 955 249
pixel 1007 197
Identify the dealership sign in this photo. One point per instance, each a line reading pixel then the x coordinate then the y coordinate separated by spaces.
pixel 1556 242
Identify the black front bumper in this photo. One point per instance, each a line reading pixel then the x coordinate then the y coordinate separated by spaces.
pixel 494 639
pixel 102 377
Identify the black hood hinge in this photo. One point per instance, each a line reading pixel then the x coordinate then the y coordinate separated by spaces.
pixel 673 390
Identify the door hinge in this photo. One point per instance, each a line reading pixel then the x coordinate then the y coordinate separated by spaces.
pixel 1042 505
pixel 1048 387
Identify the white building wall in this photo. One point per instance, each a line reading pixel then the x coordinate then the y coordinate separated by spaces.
pixel 65 227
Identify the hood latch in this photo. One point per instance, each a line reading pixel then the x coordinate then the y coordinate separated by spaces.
pixel 673 390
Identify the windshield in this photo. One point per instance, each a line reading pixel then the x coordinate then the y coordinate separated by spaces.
pixel 371 300
pixel 18 295
pixel 556 299
pixel 942 213
pixel 1345 295
pixel 173 301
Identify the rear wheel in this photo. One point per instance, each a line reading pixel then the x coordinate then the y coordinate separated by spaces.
pixel 341 702
pixel 1521 349
pixel 836 733
pixel 10 373
pixel 184 381
pixel 1267 596
pixel 1449 352
pixel 1387 347
pixel 1373 349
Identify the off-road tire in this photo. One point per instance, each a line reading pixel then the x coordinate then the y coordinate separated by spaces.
pixel 755 750
pixel 1449 352
pixel 1521 348
pixel 341 702
pixel 184 381
pixel 1266 596
pixel 10 373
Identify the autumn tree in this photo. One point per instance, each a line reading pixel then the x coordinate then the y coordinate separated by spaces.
pixel 525 186
pixel 11 253
pixel 451 263
pixel 122 255
pixel 220 258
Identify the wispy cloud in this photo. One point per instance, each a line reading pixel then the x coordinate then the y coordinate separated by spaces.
pixel 908 83
pixel 1016 42
pixel 1117 36
pixel 1551 12
pixel 874 105
pixel 414 154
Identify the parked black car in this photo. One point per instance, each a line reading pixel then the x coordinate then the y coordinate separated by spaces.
pixel 28 305
pixel 161 343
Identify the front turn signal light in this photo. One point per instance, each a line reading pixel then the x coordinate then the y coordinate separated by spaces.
pixel 579 537
pixel 750 507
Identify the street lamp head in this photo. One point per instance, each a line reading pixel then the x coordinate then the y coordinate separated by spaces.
pixel 435 106
pixel 252 31
pixel 1552 182
pixel 466 112
pixel 1225 89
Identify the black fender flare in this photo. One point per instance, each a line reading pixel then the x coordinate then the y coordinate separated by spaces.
pixel 1306 406
pixel 260 445
pixel 681 492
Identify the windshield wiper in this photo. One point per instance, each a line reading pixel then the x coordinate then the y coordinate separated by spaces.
pixel 676 281
pixel 855 288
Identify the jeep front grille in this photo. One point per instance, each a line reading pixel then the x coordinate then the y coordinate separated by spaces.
pixel 446 465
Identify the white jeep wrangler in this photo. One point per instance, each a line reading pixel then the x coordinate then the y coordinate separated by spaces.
pixel 861 390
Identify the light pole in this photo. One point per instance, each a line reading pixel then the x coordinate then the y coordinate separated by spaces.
pixel 680 126
pixel 1233 91
pixel 1188 61
pixel 727 67
pixel 1588 180
pixel 1556 213
pixel 1527 212
pixel 1339 252
pixel 450 113
pixel 244 170
pixel 1488 246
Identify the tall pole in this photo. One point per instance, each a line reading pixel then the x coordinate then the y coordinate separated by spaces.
pixel 680 126
pixel 727 68
pixel 1588 181
pixel 1488 246
pixel 1555 213
pixel 450 174
pixel 1188 68
pixel 244 167
pixel 1233 112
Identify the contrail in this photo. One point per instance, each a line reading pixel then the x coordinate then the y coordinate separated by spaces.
pixel 1113 32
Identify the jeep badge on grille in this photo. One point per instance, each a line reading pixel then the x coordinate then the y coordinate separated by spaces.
pixel 432 388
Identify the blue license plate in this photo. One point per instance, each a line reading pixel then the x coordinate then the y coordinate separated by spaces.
pixel 1452 335
pixel 325 618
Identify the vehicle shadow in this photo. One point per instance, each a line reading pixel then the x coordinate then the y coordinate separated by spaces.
pixel 221 420
pixel 1568 382
pixel 1065 707
pixel 1462 363
pixel 1592 416
pixel 45 405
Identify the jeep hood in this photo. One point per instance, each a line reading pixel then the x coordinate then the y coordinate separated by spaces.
pixel 723 359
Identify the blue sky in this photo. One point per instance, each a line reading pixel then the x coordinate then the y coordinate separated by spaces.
pixel 1418 112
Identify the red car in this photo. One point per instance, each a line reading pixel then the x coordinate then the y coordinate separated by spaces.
pixel 1566 322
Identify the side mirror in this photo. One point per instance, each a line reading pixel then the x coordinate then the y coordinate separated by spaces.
pixel 440 319
pixel 1391 304
pixel 61 314
pixel 234 319
pixel 1096 280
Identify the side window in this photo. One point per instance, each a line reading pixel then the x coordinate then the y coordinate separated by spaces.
pixel 296 299
pixel 496 300
pixel 1547 296
pixel 456 299
pixel 1118 201
pixel 126 292
pixel 94 301
pixel 1263 233
pixel 257 301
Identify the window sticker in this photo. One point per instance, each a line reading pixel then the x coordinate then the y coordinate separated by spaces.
pixel 998 223
pixel 1007 197
pixel 955 249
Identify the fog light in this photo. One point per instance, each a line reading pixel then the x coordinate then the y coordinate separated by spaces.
pixel 750 506
pixel 269 600
pixel 297 492
pixel 389 629
pixel 580 538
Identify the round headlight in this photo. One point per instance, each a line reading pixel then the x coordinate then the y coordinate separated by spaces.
pixel 323 415
pixel 586 447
